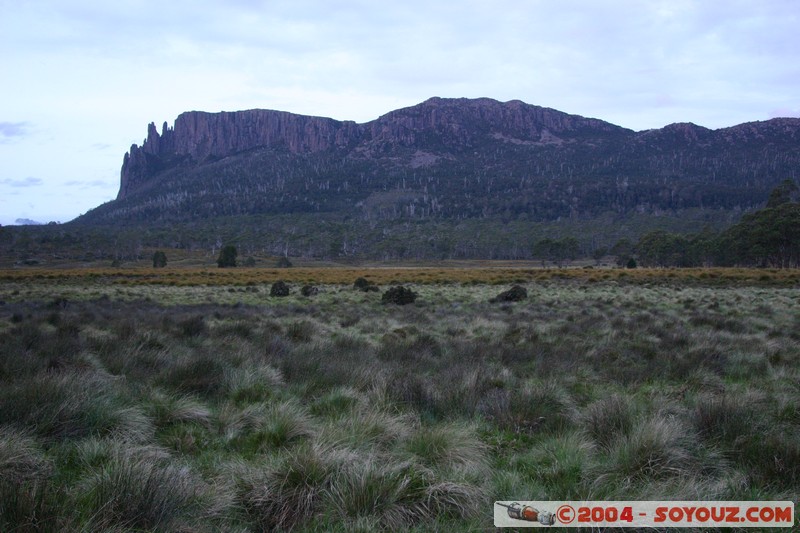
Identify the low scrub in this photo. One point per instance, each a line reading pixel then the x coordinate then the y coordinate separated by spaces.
pixel 399 295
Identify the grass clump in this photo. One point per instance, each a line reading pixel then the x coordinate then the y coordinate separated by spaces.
pixel 259 428
pixel 283 495
pixel 656 448
pixel 71 406
pixel 139 492
pixel 608 419
pixel 21 457
pixel 200 374
pixel 449 446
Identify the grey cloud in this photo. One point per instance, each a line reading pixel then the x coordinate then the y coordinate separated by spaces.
pixel 87 184
pixel 11 130
pixel 26 182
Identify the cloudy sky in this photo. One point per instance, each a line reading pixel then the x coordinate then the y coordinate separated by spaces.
pixel 81 79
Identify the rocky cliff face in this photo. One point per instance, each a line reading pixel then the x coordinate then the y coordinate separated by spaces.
pixel 481 156
pixel 201 136
pixel 455 123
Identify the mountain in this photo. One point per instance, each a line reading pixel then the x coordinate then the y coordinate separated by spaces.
pixel 446 163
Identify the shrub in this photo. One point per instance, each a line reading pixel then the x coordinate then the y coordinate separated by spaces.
pixel 279 288
pixel 227 257
pixel 192 326
pixel 283 262
pixel 514 294
pixel 399 295
pixel 159 259
pixel 363 285
pixel 309 290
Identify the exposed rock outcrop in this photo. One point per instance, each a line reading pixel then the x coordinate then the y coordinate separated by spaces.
pixel 456 123
pixel 200 136
pixel 448 159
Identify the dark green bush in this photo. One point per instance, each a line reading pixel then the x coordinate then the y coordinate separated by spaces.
pixel 159 259
pixel 514 294
pixel 309 290
pixel 279 288
pixel 363 285
pixel 227 257
pixel 399 295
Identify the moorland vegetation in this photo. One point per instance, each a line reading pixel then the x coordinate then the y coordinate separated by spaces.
pixel 206 407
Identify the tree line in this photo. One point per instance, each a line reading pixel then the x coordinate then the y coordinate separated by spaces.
pixel 769 237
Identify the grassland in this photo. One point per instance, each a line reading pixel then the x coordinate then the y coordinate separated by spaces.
pixel 190 400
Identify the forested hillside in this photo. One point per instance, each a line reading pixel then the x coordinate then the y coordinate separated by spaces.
pixel 448 178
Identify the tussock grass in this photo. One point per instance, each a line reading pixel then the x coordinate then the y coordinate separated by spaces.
pixel 394 494
pixel 285 494
pixel 339 413
pixel 251 383
pixel 69 406
pixel 478 274
pixel 139 492
pixel 260 427
pixel 34 505
pixel 337 402
pixel 449 446
pixel 534 406
pixel 657 448
pixel 725 418
pixel 561 464
pixel 201 374
pixel 608 419
pixel 21 457
pixel 369 428
pixel 166 409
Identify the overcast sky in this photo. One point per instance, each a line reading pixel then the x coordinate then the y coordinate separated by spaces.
pixel 82 79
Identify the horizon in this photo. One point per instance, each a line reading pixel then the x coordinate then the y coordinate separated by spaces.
pixel 85 79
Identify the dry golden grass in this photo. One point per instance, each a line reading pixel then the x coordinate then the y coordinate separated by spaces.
pixel 478 274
